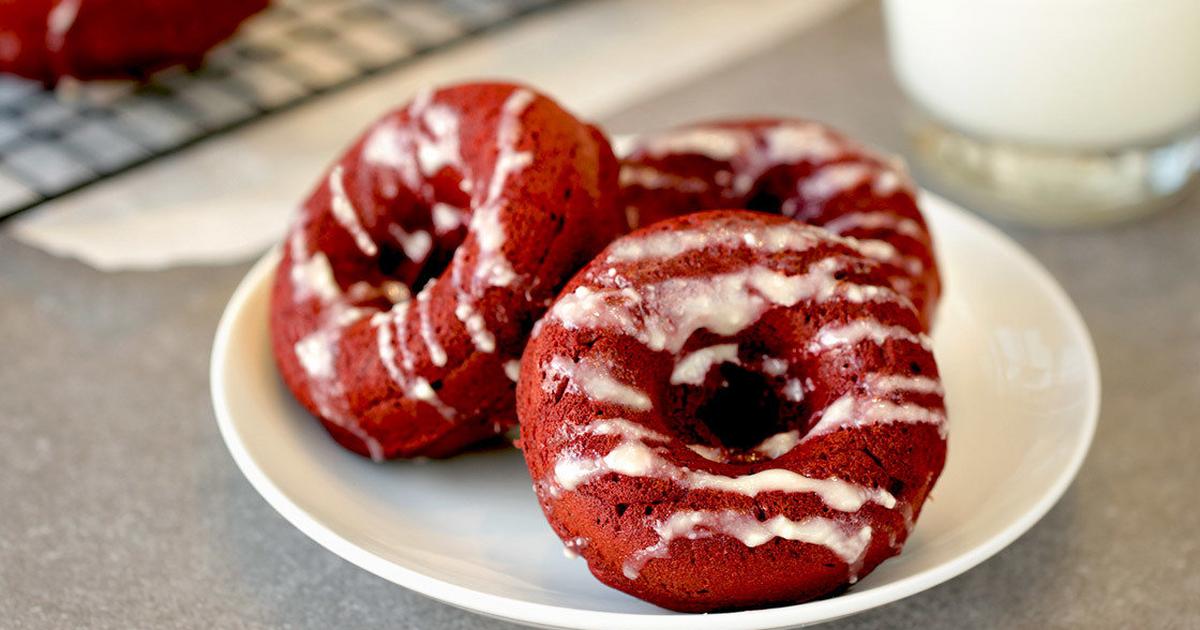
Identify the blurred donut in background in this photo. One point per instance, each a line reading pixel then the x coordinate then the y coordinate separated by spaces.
pixel 48 40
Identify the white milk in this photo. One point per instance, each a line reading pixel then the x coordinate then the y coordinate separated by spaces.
pixel 1084 74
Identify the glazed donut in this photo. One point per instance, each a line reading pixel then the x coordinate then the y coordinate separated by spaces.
pixel 800 169
pixel 731 409
pixel 481 200
pixel 47 40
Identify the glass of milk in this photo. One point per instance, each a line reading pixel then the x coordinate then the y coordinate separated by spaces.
pixel 1053 112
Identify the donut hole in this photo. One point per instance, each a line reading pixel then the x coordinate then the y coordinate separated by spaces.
pixel 763 199
pixel 395 263
pixel 743 412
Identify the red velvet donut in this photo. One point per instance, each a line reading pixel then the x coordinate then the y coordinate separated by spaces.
pixel 47 40
pixel 731 409
pixel 481 200
pixel 796 168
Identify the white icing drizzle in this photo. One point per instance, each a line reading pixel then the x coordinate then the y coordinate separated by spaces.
pixel 437 353
pixel 723 303
pixel 311 275
pixel 512 369
pixel 416 244
pixel 875 221
pixel 446 217
pixel 483 339
pixel 654 179
pixel 714 143
pixel 851 333
pixel 493 269
pixel 849 546
pixel 868 406
pixel 832 180
pixel 793 390
pixel 694 367
pixel 769 239
pixel 573 546
pixel 59 22
pixel 315 353
pixel 773 366
pixel 779 444
pixel 594 380
pixel 887 383
pixel 802 142
pixel 401 371
pixel 441 149
pixel 711 453
pixel 788 144
pixel 625 429
pixel 632 457
pixel 390 146
pixel 345 213
pixel 383 323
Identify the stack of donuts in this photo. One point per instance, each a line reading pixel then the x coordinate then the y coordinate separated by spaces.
pixel 713 350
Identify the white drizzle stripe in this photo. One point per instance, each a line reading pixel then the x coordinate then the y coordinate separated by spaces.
pixel 875 221
pixel 724 303
pixel 633 458
pixel 711 453
pixel 345 213
pixel 493 269
pixel 653 179
pixel 59 22
pixel 390 146
pixel 779 444
pixel 692 368
pixel 770 239
pixel 401 372
pixel 594 380
pixel 793 390
pixel 446 217
pixel 512 369
pixel 714 143
pixel 416 244
pixel 437 353
pixel 884 384
pixel 311 275
pixel 441 149
pixel 802 142
pixel 774 366
pixel 832 180
pixel 859 411
pixel 849 334
pixel 850 546
pixel 476 327
pixel 316 352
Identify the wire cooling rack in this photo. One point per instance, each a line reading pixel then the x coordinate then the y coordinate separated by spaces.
pixel 56 142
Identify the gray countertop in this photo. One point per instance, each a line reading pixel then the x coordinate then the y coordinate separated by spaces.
pixel 120 507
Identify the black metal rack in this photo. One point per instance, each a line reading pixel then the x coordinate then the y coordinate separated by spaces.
pixel 56 142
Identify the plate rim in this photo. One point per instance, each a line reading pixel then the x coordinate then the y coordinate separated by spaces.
pixel 548 615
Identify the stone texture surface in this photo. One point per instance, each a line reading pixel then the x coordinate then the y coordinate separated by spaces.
pixel 119 506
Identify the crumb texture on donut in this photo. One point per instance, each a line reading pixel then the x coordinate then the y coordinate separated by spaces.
pixel 732 409
pixel 796 168
pixel 418 266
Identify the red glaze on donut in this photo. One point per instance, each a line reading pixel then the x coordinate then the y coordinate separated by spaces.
pixel 800 169
pixel 731 409
pixel 47 40
pixel 409 284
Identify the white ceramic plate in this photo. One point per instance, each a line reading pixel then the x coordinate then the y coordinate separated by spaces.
pixel 1023 393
